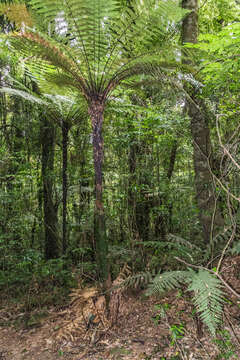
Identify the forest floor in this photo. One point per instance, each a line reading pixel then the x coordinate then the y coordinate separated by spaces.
pixel 146 328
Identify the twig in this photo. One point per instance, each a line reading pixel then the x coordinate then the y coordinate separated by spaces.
pixel 231 237
pixel 212 272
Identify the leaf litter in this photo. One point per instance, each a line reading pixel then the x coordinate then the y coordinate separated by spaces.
pixel 134 328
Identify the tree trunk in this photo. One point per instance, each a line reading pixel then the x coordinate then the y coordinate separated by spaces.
pixel 201 137
pixel 52 246
pixel 163 219
pixel 65 130
pixel 96 109
pixel 138 200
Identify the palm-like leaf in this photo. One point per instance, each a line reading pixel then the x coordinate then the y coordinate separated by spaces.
pixel 67 108
pixel 95 40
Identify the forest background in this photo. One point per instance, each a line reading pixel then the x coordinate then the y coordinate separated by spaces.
pixel 151 181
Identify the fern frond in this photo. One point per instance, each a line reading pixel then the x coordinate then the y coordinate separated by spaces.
pixel 166 281
pixel 141 279
pixel 176 246
pixel 24 95
pixel 208 298
pixel 178 239
pixel 94 39
pixel 170 248
pixel 38 46
pixel 58 106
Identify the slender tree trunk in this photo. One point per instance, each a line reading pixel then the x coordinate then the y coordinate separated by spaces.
pixel 201 136
pixel 65 130
pixel 163 220
pixel 52 246
pixel 96 109
pixel 132 162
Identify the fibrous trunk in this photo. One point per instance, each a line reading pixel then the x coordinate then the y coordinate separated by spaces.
pixel 96 109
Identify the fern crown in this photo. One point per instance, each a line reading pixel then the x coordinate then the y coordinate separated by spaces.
pixel 91 45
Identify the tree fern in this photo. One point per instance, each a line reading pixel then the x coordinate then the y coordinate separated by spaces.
pixel 92 45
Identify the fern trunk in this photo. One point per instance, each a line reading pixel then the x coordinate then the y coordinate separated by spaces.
pixel 96 109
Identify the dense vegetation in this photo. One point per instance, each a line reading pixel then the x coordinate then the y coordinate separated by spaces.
pixel 119 146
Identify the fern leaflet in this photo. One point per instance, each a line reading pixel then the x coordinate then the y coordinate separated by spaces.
pixel 208 298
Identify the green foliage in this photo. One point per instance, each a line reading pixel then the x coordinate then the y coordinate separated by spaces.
pixel 177 332
pixel 94 46
pixel 219 58
pixel 213 15
pixel 227 350
pixel 208 298
pixel 167 281
pixel 139 280
pixel 28 275
pixel 208 295
pixel 176 246
pixel 90 47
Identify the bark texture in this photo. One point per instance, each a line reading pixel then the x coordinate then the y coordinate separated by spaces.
pixel 52 243
pixel 201 137
pixel 138 201
pixel 96 109
pixel 65 130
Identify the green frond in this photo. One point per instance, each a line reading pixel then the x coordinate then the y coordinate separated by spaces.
pixel 24 95
pixel 135 281
pixel 87 23
pixel 208 295
pixel 35 46
pixel 208 298
pixel 59 107
pixel 95 38
pixel 167 281
pixel 178 239
pixel 173 248
pixel 56 82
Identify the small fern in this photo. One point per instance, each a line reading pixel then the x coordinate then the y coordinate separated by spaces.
pixel 208 298
pixel 208 295
pixel 166 281
pixel 175 246
pixel 135 281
